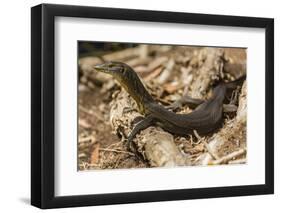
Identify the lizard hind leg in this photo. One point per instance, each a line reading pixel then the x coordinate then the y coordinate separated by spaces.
pixel 186 100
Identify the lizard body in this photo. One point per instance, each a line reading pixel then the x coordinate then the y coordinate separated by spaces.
pixel 206 118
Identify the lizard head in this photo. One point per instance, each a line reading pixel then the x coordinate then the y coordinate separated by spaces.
pixel 112 67
pixel 120 71
pixel 128 79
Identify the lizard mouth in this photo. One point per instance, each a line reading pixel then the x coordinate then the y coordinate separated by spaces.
pixel 109 67
pixel 102 68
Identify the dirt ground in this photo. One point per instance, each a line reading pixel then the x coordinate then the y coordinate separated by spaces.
pixel 99 147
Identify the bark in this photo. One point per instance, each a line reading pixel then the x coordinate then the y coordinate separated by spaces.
pixel 209 62
pixel 156 145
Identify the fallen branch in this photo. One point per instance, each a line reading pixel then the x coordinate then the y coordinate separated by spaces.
pixel 239 161
pixel 115 150
pixel 228 157
pixel 156 145
pixel 208 71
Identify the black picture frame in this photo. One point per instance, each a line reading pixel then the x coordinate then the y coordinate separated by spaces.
pixel 43 114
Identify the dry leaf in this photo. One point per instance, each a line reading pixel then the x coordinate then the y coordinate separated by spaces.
pixel 95 154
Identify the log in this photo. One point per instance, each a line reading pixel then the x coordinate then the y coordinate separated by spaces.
pixel 156 145
pixel 210 65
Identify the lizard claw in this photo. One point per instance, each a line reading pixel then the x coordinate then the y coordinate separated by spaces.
pixel 131 147
pixel 128 143
pixel 174 106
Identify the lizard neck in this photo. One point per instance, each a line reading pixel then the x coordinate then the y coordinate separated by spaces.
pixel 133 85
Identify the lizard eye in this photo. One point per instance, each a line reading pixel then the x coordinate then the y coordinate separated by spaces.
pixel 122 70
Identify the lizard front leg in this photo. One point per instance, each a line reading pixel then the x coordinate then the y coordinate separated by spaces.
pixel 143 124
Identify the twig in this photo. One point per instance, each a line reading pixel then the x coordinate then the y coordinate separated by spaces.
pixel 83 109
pixel 194 143
pixel 239 161
pixel 197 135
pixel 118 151
pixel 113 144
pixel 214 156
pixel 228 157
pixel 84 124
pixel 86 139
pixel 234 97
pixel 117 162
pixel 85 165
